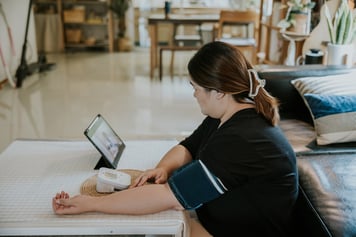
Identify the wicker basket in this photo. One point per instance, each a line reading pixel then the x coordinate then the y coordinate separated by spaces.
pixel 90 41
pixel 73 35
pixel 74 16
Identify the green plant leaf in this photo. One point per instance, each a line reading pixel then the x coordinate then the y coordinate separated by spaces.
pixel 348 28
pixel 353 34
pixel 341 24
pixel 330 24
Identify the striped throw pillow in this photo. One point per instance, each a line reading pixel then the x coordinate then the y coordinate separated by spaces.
pixel 334 117
pixel 332 103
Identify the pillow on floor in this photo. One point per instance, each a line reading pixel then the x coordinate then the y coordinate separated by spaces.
pixel 334 117
pixel 331 101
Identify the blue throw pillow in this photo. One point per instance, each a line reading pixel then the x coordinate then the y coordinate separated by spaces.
pixel 334 117
pixel 323 105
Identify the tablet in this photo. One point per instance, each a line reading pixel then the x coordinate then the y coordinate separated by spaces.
pixel 106 141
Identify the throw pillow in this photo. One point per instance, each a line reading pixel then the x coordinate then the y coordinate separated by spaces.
pixel 334 121
pixel 334 117
pixel 342 84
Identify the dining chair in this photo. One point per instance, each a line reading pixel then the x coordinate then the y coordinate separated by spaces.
pixel 240 28
pixel 185 37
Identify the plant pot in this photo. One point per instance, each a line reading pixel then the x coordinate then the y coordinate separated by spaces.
pixel 124 44
pixel 340 54
pixel 301 25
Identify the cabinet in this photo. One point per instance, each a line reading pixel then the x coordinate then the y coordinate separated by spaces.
pixel 85 24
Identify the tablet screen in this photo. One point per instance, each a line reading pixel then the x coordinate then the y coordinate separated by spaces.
pixel 105 140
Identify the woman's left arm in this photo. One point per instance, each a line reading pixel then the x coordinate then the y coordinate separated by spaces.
pixel 146 199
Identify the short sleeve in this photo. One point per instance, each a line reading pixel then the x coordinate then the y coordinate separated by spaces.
pixel 200 135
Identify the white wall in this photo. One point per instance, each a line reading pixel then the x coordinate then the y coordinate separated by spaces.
pixel 16 14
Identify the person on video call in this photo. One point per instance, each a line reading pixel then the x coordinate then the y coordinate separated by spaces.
pixel 240 146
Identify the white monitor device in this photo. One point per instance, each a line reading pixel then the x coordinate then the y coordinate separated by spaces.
pixel 106 141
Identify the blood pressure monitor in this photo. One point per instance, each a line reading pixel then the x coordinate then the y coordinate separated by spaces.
pixel 110 180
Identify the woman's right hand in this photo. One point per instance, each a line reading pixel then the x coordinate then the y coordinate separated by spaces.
pixel 157 175
pixel 63 204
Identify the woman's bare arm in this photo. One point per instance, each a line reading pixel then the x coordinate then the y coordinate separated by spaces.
pixel 172 160
pixel 146 199
pixel 175 158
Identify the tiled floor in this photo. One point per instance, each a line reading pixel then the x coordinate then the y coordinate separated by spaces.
pixel 60 103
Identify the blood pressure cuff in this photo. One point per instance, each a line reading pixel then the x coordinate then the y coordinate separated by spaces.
pixel 193 185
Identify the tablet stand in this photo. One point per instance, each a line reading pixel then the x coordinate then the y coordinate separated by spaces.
pixel 103 163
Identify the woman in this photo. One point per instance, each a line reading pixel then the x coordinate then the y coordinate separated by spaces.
pixel 250 163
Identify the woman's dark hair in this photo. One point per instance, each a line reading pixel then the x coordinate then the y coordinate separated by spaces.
pixel 222 67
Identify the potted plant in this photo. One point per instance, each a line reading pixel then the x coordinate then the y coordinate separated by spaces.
pixel 342 31
pixel 297 18
pixel 120 7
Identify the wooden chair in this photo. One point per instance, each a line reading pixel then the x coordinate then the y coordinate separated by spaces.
pixel 243 28
pixel 186 37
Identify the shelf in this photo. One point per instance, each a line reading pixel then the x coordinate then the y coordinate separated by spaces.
pixel 86 24
pixel 82 45
pixel 84 2
pixel 92 19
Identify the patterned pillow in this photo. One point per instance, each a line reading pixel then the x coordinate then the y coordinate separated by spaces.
pixel 331 101
pixel 334 117
pixel 342 84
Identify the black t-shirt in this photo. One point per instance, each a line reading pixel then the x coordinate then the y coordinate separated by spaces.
pixel 255 162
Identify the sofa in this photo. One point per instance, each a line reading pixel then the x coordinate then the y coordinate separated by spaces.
pixel 326 158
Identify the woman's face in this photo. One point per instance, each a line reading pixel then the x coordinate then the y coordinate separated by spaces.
pixel 206 100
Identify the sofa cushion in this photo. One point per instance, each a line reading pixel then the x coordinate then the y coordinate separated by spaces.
pixel 332 104
pixel 278 78
pixel 343 84
pixel 329 183
pixel 334 117
pixel 299 134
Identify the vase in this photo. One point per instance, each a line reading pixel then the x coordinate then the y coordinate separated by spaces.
pixel 301 23
pixel 340 54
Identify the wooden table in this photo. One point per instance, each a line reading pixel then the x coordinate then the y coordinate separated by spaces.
pixel 156 19
pixel 32 171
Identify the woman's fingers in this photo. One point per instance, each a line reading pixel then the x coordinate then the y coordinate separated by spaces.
pixel 160 179
pixel 64 206
pixel 60 202
pixel 62 195
pixel 139 181
pixel 157 176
